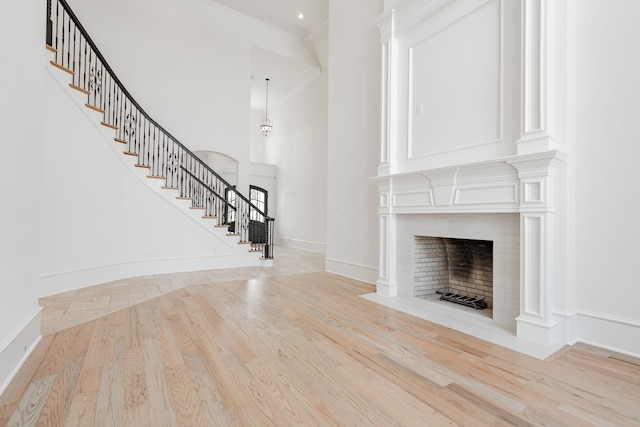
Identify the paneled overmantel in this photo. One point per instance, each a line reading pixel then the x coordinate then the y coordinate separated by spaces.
pixel 468 114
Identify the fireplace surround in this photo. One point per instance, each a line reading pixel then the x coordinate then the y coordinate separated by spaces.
pixel 469 149
pixel 508 201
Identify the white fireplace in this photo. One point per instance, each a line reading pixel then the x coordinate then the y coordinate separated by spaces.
pixel 505 201
pixel 471 93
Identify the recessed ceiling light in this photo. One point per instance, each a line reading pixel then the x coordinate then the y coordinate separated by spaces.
pixel 300 16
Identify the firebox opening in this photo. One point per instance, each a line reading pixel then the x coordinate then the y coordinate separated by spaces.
pixel 460 270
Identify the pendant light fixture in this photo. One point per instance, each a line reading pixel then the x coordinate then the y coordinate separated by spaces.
pixel 266 126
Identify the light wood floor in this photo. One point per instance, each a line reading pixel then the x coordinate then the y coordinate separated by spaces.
pixel 292 346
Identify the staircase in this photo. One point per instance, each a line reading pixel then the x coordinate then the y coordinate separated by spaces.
pixel 155 151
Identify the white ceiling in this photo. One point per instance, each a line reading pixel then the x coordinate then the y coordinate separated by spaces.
pixel 282 13
pixel 285 74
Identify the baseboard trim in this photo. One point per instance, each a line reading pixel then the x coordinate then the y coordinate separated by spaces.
pixel 351 270
pixel 609 332
pixel 57 282
pixel 306 245
pixel 16 347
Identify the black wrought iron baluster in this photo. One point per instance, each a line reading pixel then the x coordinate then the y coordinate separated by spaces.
pixel 101 77
pixel 123 115
pixel 150 145
pixel 93 82
pixel 179 156
pixel 134 147
pixel 111 99
pixel 73 51
pixel 114 101
pixel 155 158
pixel 108 98
pixel 119 112
pixel 147 141
pixel 129 121
pixel 171 165
pixel 127 124
pixel 163 159
pixel 85 57
pixel 49 23
pixel 57 31
pixel 143 137
pixel 267 252
pixel 63 39
pixel 68 64
pixel 158 154
pixel 156 147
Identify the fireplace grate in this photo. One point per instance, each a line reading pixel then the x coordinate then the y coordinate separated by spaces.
pixel 468 300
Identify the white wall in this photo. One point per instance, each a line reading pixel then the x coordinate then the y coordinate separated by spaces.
pixel 298 147
pixel 354 138
pixel 607 156
pixel 188 64
pixel 99 221
pixel 21 81
pixel 258 142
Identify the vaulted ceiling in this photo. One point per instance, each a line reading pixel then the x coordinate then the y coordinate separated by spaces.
pixel 286 74
pixel 283 14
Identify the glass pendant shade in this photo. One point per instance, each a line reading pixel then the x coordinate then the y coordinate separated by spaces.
pixel 266 125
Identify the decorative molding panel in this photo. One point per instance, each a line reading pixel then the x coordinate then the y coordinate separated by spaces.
pixel 507 193
pixel 455 78
pixel 537 81
pixel 413 199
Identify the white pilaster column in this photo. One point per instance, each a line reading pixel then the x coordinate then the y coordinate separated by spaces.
pixel 388 93
pixel 386 285
pixel 536 172
pixel 537 78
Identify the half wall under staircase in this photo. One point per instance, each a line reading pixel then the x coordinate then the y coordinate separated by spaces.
pixel 158 158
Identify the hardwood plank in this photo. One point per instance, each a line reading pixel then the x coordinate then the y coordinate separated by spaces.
pixel 33 401
pixel 211 405
pixel 57 406
pixel 135 401
pixel 292 345
pixel 184 396
pixel 83 404
pixel 10 399
pixel 110 403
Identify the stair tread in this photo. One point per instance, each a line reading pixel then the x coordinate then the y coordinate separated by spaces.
pixel 79 89
pixel 62 67
pixel 109 125
pixel 93 107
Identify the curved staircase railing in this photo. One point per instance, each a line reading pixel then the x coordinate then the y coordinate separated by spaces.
pixel 155 148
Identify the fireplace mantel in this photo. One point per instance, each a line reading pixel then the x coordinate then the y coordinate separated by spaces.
pixel 471 95
pixel 509 184
pixel 522 184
